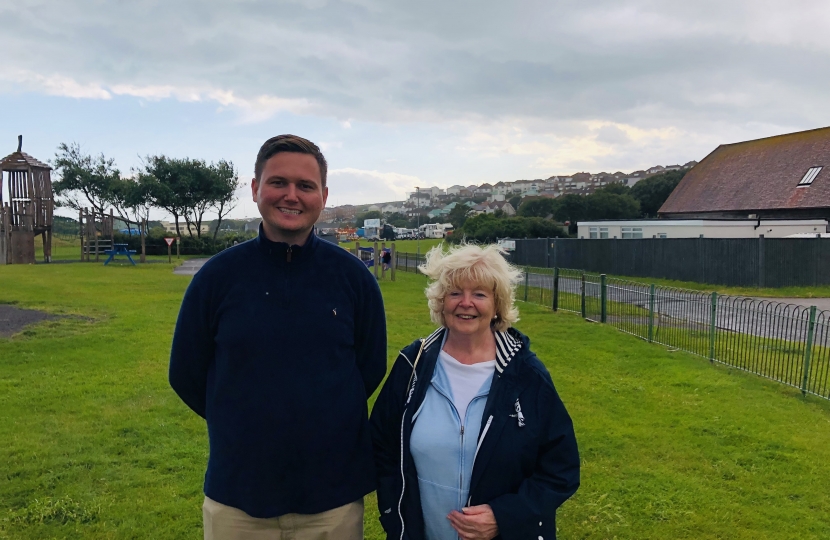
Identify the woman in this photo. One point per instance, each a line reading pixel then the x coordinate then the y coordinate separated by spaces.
pixel 471 439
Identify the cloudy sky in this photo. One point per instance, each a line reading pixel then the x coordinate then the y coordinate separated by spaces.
pixel 405 94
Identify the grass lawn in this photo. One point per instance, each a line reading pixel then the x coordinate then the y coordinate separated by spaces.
pixel 403 246
pixel 96 445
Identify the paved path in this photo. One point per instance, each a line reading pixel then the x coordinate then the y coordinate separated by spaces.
pixel 190 267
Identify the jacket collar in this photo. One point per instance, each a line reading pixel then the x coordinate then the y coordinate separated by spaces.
pixel 279 250
pixel 507 345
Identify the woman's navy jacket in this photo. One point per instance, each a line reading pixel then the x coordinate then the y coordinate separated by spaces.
pixel 526 465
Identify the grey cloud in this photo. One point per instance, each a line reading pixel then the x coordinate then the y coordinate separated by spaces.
pixel 638 62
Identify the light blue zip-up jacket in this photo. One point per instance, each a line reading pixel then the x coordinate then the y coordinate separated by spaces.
pixel 444 452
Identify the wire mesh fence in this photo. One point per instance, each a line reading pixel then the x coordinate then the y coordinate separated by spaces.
pixel 782 342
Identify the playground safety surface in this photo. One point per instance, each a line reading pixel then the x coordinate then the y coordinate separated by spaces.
pixel 14 319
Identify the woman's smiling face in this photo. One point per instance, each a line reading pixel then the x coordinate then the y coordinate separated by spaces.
pixel 469 309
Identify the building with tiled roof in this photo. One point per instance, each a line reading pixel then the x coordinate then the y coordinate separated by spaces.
pixel 782 177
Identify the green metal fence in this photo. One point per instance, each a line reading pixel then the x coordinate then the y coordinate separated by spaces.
pixel 409 262
pixel 786 343
pixel 782 342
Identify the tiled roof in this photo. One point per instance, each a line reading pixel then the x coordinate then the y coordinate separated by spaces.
pixel 21 160
pixel 757 175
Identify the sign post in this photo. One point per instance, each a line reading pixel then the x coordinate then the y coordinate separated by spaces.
pixel 169 253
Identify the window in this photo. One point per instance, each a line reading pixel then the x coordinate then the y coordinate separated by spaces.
pixel 810 176
pixel 632 232
pixel 603 232
pixel 593 232
pixel 662 235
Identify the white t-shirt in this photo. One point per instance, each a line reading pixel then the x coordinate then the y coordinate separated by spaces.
pixel 466 381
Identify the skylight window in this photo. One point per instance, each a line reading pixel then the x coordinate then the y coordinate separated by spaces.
pixel 810 176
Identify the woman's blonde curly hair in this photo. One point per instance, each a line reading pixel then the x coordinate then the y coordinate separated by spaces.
pixel 472 264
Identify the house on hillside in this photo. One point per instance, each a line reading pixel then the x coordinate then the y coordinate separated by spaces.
pixel 420 199
pixel 781 177
pixel 521 186
pixel 484 189
pixel 504 206
pixel 502 188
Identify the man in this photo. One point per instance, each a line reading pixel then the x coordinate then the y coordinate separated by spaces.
pixel 279 342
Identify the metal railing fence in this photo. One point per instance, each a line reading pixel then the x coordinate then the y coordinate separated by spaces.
pixel 786 343
pixel 409 262
pixel 782 342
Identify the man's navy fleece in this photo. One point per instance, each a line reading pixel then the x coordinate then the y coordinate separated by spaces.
pixel 278 348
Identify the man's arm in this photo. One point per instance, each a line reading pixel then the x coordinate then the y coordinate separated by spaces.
pixel 370 335
pixel 192 352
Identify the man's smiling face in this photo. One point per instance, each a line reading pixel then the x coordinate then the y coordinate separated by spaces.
pixel 290 196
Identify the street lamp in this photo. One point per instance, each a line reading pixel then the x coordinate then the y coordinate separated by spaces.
pixel 418 228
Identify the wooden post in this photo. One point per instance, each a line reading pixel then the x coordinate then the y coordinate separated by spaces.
pixel 87 237
pixel 394 261
pixel 382 267
pixel 81 231
pixel 169 253
pixel 5 233
pixel 178 241
pixel 112 231
pixel 357 248
pixel 375 257
pixel 143 226
pixel 95 231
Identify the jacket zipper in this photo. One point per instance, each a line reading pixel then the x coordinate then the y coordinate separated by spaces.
pixel 403 478
pixel 288 255
pixel 461 473
pixel 478 447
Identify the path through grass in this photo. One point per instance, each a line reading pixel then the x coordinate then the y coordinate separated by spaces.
pixel 95 444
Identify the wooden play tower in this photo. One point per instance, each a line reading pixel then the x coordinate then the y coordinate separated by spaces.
pixel 28 211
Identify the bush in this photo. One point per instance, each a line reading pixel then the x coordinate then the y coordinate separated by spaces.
pixel 155 244
pixel 489 228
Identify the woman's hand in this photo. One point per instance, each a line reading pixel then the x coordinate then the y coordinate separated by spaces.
pixel 475 523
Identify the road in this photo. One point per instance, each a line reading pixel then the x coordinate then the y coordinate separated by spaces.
pixel 190 267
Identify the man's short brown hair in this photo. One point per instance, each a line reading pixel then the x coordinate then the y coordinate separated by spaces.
pixel 289 143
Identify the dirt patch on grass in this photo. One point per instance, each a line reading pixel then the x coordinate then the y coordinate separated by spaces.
pixel 14 319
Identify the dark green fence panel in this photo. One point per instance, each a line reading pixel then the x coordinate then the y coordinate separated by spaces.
pixel 743 262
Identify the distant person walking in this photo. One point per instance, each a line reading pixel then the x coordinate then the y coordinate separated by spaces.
pixel 279 342
pixel 387 259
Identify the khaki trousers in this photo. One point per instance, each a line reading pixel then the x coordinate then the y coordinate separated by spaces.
pixel 227 523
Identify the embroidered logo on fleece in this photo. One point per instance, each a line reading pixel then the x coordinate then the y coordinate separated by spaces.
pixel 518 416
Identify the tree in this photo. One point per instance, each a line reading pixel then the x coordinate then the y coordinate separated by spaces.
pixel 489 228
pixel 169 185
pixel 200 194
pixel 83 175
pixel 398 220
pixel 225 184
pixel 653 191
pixel 515 201
pixel 130 197
pixel 615 188
pixel 538 207
pixel 458 215
pixel 607 205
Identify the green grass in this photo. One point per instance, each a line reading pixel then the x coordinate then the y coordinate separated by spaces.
pixel 95 444
pixel 402 246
